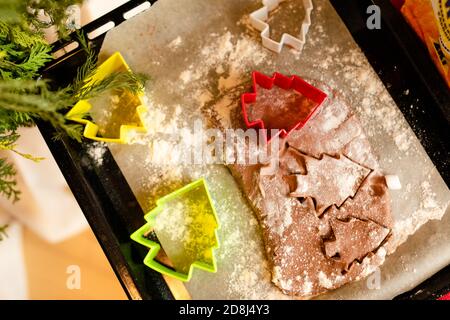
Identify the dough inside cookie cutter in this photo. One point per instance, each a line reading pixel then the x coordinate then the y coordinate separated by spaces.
pixel 114 63
pixel 196 235
pixel 294 83
pixel 258 20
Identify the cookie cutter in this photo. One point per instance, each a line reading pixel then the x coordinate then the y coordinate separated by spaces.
pixel 258 20
pixel 140 236
pixel 115 63
pixel 293 82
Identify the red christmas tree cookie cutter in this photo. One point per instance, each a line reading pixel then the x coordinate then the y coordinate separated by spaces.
pixel 287 83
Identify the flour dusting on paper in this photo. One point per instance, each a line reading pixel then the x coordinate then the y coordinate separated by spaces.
pixel 208 74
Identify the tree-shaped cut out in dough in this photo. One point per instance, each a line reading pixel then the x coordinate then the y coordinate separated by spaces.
pixel 354 239
pixel 330 181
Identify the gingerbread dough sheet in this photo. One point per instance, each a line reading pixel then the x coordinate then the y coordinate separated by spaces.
pixel 200 57
pixel 325 213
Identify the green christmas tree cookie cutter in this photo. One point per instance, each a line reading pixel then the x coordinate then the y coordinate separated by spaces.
pixel 140 236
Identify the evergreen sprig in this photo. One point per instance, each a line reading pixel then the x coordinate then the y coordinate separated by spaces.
pixel 83 88
pixel 40 14
pixel 22 53
pixel 22 100
pixel 8 183
pixel 23 96
pixel 3 233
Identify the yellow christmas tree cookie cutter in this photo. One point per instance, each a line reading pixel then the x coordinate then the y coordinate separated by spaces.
pixel 115 63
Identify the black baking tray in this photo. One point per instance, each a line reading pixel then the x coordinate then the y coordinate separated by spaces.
pixel 111 209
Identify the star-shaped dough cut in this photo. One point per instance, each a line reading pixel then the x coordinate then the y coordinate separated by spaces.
pixel 329 181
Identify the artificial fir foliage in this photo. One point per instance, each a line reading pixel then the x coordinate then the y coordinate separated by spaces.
pixel 3 232
pixel 25 97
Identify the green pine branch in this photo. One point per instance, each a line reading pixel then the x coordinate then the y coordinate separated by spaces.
pixel 3 233
pixel 8 183
pixel 22 100
pixel 126 80
pixel 23 96
pixel 22 53
pixel 28 13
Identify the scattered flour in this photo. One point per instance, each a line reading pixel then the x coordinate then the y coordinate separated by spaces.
pixel 375 106
pixel 175 43
pixel 232 58
pixel 324 281
pixel 369 267
pixel 429 200
pixel 174 222
pixel 96 151
pixel 333 120
pixel 429 209
pixel 307 287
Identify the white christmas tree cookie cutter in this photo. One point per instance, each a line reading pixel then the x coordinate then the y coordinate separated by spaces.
pixel 258 20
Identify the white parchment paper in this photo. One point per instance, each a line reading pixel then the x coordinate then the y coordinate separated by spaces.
pixel 199 54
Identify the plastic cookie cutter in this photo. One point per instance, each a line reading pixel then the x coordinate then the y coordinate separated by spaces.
pixel 258 20
pixel 287 83
pixel 193 236
pixel 113 64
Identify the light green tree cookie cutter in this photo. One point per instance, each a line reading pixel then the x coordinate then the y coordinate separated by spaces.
pixel 140 235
